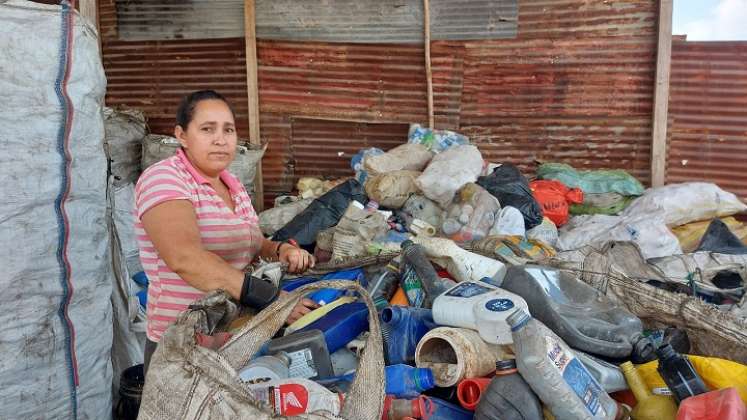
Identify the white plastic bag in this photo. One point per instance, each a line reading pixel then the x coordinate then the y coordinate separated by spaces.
pixel 546 232
pixel 687 202
pixel 272 220
pixel 448 172
pixel 472 214
pixel 405 157
pixel 648 231
pixel 510 222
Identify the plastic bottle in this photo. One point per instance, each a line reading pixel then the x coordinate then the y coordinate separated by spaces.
pixel 582 316
pixel 413 258
pixel 412 286
pixel 385 284
pixel 402 328
pixel 678 373
pixel 508 396
pixel 723 404
pixel 427 408
pixel 648 406
pixel 607 374
pixel 470 390
pixel 478 306
pixel 266 369
pixel 460 263
pixel 405 381
pixel 341 325
pixel 343 361
pixel 291 397
pixel 555 374
pixel 307 351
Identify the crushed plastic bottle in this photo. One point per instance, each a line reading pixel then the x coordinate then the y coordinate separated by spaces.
pixel 555 374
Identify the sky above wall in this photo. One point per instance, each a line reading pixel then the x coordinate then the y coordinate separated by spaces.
pixel 710 20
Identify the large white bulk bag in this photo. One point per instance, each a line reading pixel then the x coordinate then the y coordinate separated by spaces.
pixel 55 323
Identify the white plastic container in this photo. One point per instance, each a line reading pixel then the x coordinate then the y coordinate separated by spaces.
pixel 266 369
pixel 555 374
pixel 478 306
pixel 460 263
pixel 295 396
pixel 608 375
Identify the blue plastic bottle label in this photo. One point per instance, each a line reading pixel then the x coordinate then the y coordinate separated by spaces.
pixel 468 290
pixel 576 376
pixel 499 305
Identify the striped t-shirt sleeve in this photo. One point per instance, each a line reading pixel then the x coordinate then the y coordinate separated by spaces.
pixel 158 184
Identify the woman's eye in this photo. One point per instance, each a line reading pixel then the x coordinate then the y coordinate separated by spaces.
pixel 207 129
pixel 230 130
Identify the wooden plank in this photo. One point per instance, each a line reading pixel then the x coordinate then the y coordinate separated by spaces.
pixel 661 95
pixel 250 38
pixel 89 9
pixel 428 70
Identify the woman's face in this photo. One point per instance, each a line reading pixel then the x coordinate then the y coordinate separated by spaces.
pixel 210 138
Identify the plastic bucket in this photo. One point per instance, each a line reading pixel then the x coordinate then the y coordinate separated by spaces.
pixel 130 390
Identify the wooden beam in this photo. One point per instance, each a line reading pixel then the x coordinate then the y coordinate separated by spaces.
pixel 89 9
pixel 661 95
pixel 428 70
pixel 252 87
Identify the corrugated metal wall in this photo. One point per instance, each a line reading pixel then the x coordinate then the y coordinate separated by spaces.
pixel 575 85
pixel 708 110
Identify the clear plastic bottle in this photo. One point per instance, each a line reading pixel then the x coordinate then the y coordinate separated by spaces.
pixel 555 374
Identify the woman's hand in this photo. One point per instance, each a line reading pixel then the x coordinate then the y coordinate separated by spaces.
pixel 303 307
pixel 298 259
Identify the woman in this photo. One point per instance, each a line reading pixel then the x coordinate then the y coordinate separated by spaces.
pixel 195 223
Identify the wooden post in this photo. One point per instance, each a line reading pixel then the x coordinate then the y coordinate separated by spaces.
pixel 89 10
pixel 428 70
pixel 661 95
pixel 250 38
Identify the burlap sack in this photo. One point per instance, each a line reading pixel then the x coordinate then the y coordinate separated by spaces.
pixel 189 382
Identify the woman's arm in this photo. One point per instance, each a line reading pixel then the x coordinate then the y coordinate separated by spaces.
pixel 172 227
pixel 298 260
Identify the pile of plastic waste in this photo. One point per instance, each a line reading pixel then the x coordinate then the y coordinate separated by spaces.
pixel 478 315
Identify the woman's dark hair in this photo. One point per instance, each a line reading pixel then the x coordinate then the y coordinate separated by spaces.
pixel 186 110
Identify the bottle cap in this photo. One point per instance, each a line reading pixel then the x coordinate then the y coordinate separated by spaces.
pixel 507 364
pixel 518 319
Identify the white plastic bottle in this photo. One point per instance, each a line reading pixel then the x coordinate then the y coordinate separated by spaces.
pixel 295 396
pixel 460 263
pixel 555 374
pixel 478 306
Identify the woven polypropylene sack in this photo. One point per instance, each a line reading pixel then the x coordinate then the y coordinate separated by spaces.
pixel 56 318
pixel 189 382
pixel 125 130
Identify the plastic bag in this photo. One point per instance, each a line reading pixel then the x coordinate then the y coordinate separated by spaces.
pixel 686 202
pixel 605 203
pixel 512 189
pixel 358 159
pixel 545 232
pixel 649 232
pixel 690 234
pixel 423 208
pixel 448 172
pixel 591 182
pixel 472 214
pixel 272 220
pixel 322 213
pixel 510 222
pixel 405 157
pixel 554 198
pixel 435 140
pixel 718 238
pixel 392 189
pixel 356 229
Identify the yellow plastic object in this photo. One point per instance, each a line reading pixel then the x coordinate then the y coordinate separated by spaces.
pixel 689 235
pixel 317 313
pixel 716 373
pixel 648 406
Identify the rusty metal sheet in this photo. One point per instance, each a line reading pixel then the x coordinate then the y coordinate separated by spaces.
pixel 351 21
pixel 708 108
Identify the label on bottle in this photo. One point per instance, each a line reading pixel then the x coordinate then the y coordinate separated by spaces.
pixel 468 290
pixel 576 376
pixel 302 364
pixel 413 287
pixel 499 305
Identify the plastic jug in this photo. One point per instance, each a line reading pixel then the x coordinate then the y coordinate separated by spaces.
pixel 478 306
pixel 582 316
pixel 723 404
pixel 415 263
pixel 678 373
pixel 266 369
pixel 402 328
pixel 460 263
pixel 318 313
pixel 508 396
pixel 555 374
pixel 427 408
pixel 325 296
pixel 607 374
pixel 343 361
pixel 405 381
pixel 341 325
pixel 291 397
pixel 307 351
pixel 648 406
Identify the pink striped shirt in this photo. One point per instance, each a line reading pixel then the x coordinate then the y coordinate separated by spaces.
pixel 232 235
